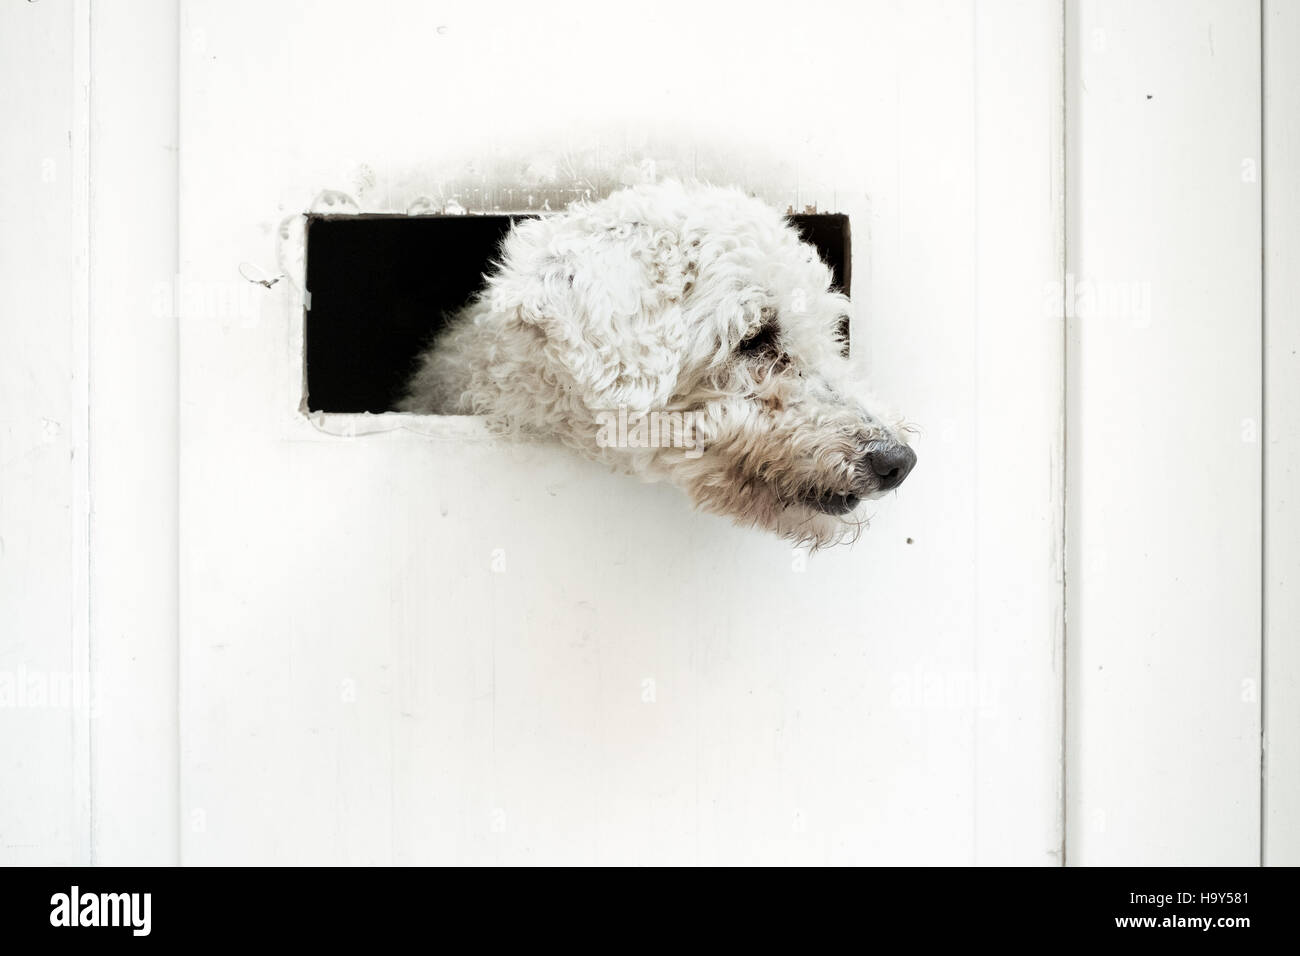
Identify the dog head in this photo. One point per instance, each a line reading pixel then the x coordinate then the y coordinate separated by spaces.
pixel 687 333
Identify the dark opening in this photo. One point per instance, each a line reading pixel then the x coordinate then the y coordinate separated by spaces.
pixel 381 286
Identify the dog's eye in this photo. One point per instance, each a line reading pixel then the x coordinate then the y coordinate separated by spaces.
pixel 762 339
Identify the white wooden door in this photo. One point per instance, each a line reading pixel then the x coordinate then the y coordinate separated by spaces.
pixel 402 641
pixel 232 632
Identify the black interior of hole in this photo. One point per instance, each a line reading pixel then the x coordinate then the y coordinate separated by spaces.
pixel 381 286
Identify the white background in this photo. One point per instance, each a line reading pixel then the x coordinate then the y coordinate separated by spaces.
pixel 352 639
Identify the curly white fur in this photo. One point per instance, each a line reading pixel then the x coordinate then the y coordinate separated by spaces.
pixel 676 298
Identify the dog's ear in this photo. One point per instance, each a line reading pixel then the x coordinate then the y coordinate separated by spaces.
pixel 607 302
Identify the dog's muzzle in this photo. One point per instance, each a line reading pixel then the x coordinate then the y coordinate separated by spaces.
pixel 888 465
pixel 833 504
pixel 882 469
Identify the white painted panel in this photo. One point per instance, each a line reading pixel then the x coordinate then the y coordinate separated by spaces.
pixel 1163 226
pixel 1018 341
pixel 1282 432
pixel 133 432
pixel 45 687
pixel 413 644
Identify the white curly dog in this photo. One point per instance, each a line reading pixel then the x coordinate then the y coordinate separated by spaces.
pixel 682 333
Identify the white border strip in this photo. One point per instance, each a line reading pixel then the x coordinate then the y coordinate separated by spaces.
pixel 1281 181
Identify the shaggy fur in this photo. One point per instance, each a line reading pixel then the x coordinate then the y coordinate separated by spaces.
pixel 681 299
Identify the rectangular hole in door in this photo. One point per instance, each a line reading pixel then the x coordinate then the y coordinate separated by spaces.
pixel 381 285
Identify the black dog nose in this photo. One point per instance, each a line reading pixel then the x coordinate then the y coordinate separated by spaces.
pixel 891 464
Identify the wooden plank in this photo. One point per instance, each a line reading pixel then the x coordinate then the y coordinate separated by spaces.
pixel 1281 180
pixel 1018 466
pixel 133 432
pixel 45 686
pixel 1163 525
